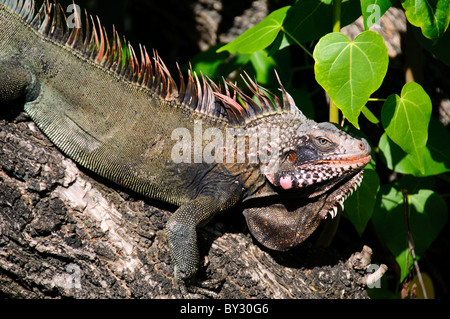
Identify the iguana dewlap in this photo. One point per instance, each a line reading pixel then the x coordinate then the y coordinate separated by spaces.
pixel 199 147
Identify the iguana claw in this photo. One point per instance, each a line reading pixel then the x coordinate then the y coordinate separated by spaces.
pixel 205 288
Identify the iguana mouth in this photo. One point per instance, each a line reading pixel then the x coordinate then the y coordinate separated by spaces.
pixel 327 180
pixel 360 161
pixel 281 223
pixel 314 173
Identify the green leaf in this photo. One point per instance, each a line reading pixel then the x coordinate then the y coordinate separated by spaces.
pixel 350 71
pixel 427 214
pixel 311 19
pixel 263 65
pixel 210 63
pixel 260 36
pixel 373 10
pixel 308 20
pixel 436 157
pixel 282 41
pixel 359 206
pixel 432 16
pixel 405 120
pixel 369 115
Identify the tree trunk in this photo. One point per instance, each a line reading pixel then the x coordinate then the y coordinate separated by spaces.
pixel 65 232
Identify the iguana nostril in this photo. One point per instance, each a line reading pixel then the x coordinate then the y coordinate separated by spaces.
pixel 361 146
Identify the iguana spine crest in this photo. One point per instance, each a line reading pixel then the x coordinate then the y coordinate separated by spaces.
pixel 201 96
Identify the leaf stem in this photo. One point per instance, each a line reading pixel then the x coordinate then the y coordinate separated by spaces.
pixel 334 111
pixel 296 42
pixel 337 15
pixel 375 99
pixel 414 58
pixel 411 245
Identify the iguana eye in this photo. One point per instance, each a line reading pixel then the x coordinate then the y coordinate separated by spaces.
pixel 291 157
pixel 323 141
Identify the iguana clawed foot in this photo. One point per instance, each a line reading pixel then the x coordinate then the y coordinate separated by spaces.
pixel 189 287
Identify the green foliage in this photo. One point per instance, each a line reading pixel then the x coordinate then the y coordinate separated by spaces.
pixel 260 36
pixel 432 16
pixel 309 20
pixel 372 10
pixel 410 149
pixel 362 203
pixel 427 216
pixel 405 119
pixel 436 157
pixel 350 71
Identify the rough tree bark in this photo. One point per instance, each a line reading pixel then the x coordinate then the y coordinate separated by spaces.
pixel 67 233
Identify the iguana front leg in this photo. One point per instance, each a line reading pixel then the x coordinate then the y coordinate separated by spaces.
pixel 182 237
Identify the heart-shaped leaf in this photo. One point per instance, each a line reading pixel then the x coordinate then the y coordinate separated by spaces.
pixel 260 36
pixel 405 119
pixel 436 158
pixel 350 71
pixel 432 16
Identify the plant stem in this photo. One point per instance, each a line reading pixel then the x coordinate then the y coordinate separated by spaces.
pixel 414 58
pixel 374 99
pixel 296 42
pixel 337 15
pixel 334 111
pixel 411 241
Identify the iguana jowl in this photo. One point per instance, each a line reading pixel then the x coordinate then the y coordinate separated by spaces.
pixel 115 115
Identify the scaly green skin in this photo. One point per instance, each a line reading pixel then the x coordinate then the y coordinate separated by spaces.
pixel 118 122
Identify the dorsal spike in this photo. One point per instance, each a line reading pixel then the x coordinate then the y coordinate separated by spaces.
pixel 142 67
pixel 182 90
pixel 76 35
pixel 100 43
pixel 209 106
pixel 110 57
pixel 36 21
pixel 190 97
pixel 198 107
pixel 94 43
pixel 288 102
pixel 87 37
pixel 45 25
pixel 118 61
pixel 169 85
pixel 134 64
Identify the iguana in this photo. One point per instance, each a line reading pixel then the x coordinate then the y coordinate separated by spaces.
pixel 200 146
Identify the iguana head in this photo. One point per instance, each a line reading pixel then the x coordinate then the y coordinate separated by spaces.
pixel 318 167
pixel 312 167
pixel 314 158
